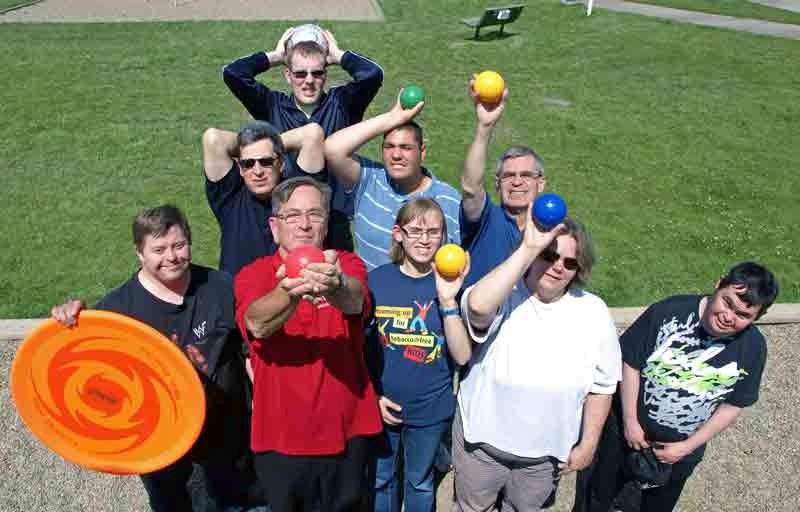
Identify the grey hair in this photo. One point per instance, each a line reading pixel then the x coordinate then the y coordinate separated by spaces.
pixel 286 188
pixel 516 152
pixel 260 130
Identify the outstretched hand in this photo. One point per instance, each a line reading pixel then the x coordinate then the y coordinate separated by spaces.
pixel 402 115
pixel 447 289
pixel 537 238
pixel 488 114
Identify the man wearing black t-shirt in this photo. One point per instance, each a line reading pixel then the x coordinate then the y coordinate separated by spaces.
pixel 194 307
pixel 690 364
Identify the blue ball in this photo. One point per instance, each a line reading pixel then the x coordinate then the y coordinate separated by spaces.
pixel 549 210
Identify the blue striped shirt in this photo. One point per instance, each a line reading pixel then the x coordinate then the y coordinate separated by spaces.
pixel 377 201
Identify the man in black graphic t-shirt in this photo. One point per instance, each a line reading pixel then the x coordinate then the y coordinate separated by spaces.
pixel 690 364
pixel 194 307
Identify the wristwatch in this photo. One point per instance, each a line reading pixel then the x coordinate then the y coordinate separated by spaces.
pixel 445 312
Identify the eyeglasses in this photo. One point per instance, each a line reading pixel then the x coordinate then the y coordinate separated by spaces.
pixel 523 175
pixel 302 74
pixel 266 162
pixel 294 216
pixel 416 233
pixel 552 256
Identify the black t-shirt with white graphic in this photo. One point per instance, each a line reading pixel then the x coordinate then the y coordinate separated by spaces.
pixel 685 372
pixel 204 328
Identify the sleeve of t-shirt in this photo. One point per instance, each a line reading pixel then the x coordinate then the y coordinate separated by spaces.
pixel 368 172
pixel 354 268
pixel 240 77
pixel 481 336
pixel 608 367
pixel 357 94
pixel 219 192
pixel 470 229
pixel 638 340
pixel 251 283
pixel 745 391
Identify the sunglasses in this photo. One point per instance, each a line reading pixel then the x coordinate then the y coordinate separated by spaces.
pixel 265 162
pixel 317 73
pixel 551 256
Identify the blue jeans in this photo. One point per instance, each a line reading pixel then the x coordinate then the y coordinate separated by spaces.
pixel 418 447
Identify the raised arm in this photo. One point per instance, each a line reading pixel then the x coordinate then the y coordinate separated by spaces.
pixel 340 147
pixel 309 143
pixel 367 78
pixel 458 341
pixel 473 187
pixel 240 77
pixel 218 149
pixel 493 289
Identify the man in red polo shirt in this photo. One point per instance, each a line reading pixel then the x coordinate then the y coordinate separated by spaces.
pixel 313 403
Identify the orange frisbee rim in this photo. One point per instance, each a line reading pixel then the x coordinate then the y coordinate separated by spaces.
pixel 111 393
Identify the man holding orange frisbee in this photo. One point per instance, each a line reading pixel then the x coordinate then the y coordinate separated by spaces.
pixel 313 403
pixel 193 306
pixel 491 232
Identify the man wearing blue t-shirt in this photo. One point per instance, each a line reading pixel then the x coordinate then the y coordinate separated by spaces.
pixel 381 189
pixel 241 172
pixel 490 232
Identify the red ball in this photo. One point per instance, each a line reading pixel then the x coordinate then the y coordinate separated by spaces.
pixel 297 259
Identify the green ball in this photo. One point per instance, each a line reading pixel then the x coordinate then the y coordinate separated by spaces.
pixel 411 95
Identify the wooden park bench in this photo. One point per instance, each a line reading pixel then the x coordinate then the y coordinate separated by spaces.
pixel 494 16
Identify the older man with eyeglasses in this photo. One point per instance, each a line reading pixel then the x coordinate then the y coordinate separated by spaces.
pixel 491 232
pixel 306 71
pixel 313 402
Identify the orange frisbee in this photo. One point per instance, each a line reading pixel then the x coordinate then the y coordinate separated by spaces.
pixel 111 394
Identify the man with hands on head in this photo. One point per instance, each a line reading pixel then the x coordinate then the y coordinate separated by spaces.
pixel 491 232
pixel 380 189
pixel 691 363
pixel 538 386
pixel 241 172
pixel 313 402
pixel 306 71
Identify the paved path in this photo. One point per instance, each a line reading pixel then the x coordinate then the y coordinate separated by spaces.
pixel 768 28
pixel 786 5
pixel 80 11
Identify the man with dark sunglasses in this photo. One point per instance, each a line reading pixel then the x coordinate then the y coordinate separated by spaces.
pixel 491 232
pixel 690 364
pixel 306 71
pixel 241 172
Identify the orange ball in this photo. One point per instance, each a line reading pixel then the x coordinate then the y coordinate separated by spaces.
pixel 450 260
pixel 490 86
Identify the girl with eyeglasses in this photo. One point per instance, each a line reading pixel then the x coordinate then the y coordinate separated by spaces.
pixel 418 338
pixel 538 386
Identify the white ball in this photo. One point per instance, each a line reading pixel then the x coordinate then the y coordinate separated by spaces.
pixel 308 32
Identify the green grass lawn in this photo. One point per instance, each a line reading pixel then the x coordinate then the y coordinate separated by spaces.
pixel 735 8
pixel 679 147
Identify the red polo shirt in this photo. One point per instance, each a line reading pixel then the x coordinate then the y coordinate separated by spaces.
pixel 312 391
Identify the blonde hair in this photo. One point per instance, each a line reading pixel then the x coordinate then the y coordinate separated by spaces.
pixel 414 209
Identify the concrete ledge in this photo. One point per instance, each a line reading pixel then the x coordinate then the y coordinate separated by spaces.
pixel 623 317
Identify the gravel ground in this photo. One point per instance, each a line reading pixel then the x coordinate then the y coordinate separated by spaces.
pixel 77 11
pixel 750 467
